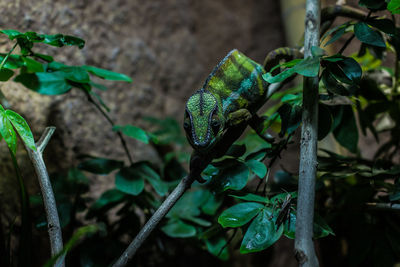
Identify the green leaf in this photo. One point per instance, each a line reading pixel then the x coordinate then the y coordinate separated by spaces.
pixel 212 204
pixel 60 40
pixel 332 85
pixel 367 35
pixel 22 128
pixel 143 170
pixel 5 74
pixel 198 221
pixel 133 132
pixel 324 121
pixel 106 74
pixel 384 25
pixel 337 33
pixel 321 228
pixel 76 237
pixel 394 6
pixel 395 196
pixel 32 65
pixel 373 4
pixel 261 233
pixel 111 196
pixel 317 51
pixel 12 34
pixel 214 246
pixel 234 177
pixel 8 133
pixel 240 214
pixel 178 229
pixel 46 83
pixel 44 57
pixel 257 167
pixel 290 118
pixel 100 165
pixel 346 133
pixel 252 197
pixel 13 61
pixel 98 86
pixel 75 74
pixel 290 226
pixel 351 69
pixel 129 180
pixel 308 67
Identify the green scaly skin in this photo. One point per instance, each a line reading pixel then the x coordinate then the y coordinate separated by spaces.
pixel 229 100
pixel 232 94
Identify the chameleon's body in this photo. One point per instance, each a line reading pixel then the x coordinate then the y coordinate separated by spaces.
pixel 232 94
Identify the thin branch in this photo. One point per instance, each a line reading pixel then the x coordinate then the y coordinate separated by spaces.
pixel 6 57
pixel 105 115
pixel 198 163
pixel 382 206
pixel 45 138
pixel 154 220
pixel 53 221
pixel 304 246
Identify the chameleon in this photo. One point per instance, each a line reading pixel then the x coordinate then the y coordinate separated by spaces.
pixel 230 96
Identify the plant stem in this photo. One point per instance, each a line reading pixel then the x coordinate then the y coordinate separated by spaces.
pixel 304 246
pixel 383 206
pixel 53 222
pixel 6 57
pixel 198 163
pixel 154 220
pixel 105 115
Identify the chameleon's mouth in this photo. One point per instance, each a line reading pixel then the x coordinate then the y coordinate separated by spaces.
pixel 206 146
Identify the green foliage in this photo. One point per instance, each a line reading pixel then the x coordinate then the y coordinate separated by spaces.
pixel 10 120
pixel 133 132
pixel 239 214
pixel 352 101
pixel 261 233
pixel 394 6
pixel 368 36
pixel 308 67
pixel 100 165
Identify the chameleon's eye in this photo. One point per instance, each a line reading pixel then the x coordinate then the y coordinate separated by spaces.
pixel 215 126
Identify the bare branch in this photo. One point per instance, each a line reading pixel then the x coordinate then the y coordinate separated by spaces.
pixel 53 222
pixel 383 206
pixel 154 220
pixel 45 138
pixel 304 246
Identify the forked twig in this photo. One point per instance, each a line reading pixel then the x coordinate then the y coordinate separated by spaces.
pixel 53 221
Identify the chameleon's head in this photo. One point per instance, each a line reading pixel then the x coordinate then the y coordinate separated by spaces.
pixel 203 120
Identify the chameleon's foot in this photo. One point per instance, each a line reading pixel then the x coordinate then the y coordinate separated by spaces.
pixel 198 163
pixel 238 117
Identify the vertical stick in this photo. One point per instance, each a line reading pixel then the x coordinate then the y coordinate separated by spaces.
pixel 53 222
pixel 304 246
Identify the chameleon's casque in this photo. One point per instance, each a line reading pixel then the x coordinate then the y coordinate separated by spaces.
pixel 235 87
